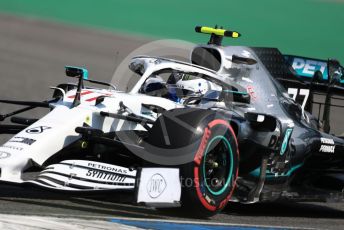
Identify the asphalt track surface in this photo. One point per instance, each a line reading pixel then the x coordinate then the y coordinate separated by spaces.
pixel 32 56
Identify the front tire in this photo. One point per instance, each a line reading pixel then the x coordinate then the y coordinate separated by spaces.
pixel 209 178
pixel 214 170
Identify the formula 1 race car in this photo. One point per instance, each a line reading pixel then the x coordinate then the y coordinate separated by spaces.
pixel 174 139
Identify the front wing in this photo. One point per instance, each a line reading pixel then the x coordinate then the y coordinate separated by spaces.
pixel 159 187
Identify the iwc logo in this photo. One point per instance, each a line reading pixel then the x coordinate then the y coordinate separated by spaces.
pixel 156 185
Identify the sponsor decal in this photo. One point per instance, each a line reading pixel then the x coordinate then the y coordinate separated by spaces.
pixel 4 155
pixel 307 67
pixel 285 141
pixel 327 146
pixel 23 140
pixel 327 149
pixel 37 130
pixel 156 185
pixel 250 91
pixel 108 168
pixel 12 147
pixel 105 175
pixel 328 141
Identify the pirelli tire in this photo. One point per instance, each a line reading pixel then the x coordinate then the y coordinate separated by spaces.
pixel 207 138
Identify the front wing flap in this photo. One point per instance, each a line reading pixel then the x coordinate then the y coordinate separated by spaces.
pixel 80 175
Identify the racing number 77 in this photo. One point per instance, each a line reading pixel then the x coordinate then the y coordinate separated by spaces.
pixel 302 92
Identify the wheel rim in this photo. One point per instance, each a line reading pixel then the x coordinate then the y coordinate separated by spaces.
pixel 216 173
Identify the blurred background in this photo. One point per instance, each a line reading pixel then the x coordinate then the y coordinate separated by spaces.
pixel 39 37
pixel 306 27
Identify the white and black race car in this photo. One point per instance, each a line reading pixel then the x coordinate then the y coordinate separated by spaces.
pixel 197 135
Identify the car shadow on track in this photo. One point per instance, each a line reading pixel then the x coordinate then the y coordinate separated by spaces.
pixel 114 204
pixel 100 205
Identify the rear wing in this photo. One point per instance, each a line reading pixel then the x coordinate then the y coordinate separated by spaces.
pixel 306 67
pixel 309 69
pixel 324 80
pixel 317 85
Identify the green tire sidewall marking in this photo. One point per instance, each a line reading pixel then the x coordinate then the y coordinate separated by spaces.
pixel 231 165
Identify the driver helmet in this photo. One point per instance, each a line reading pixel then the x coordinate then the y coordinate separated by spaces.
pixel 196 85
pixel 181 85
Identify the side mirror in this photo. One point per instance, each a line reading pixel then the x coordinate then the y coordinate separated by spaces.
pixel 72 71
pixel 81 74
